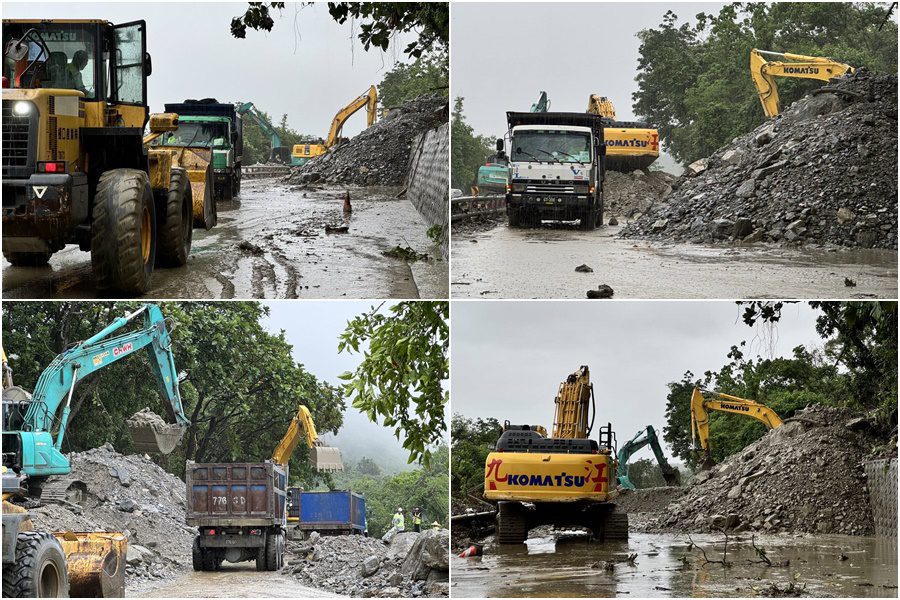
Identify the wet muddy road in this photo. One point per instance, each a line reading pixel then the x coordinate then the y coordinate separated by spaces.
pixel 272 243
pixel 566 568
pixel 240 580
pixel 540 263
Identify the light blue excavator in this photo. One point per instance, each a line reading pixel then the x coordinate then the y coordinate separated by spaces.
pixel 30 447
pixel 645 437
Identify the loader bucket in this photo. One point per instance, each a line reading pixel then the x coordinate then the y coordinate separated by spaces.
pixel 151 434
pixel 326 458
pixel 95 562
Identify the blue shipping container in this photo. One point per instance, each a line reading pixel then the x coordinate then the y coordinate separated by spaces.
pixel 332 511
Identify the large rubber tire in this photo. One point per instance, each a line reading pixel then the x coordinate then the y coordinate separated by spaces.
pixel 274 552
pixel 589 219
pixel 237 183
pixel 512 527
pixel 176 226
pixel 515 217
pixel 197 555
pixel 123 232
pixel 27 259
pixel 39 570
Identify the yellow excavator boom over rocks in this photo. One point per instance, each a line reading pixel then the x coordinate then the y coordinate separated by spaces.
pixel 629 145
pixel 764 73
pixel 321 457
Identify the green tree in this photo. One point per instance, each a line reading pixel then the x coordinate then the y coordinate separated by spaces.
pixel 378 22
pixel 694 83
pixel 468 151
pixel 428 73
pixel 258 143
pixel 401 379
pixel 473 440
pixel 645 473
pixel 367 466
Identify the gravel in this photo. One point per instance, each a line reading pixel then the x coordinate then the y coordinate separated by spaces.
pixel 379 155
pixel 824 172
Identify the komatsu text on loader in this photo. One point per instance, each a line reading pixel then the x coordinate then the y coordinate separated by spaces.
pixel 563 480
pixel 35 469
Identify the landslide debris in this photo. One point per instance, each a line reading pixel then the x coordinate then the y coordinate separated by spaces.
pixel 633 194
pixel 379 155
pixel 806 476
pixel 823 172
pixel 130 494
pixel 411 565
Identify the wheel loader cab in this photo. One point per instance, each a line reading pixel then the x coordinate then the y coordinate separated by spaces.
pixel 75 169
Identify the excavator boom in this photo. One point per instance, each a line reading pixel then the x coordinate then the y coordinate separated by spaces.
pixel 572 406
pixel 304 152
pixel 764 72
pixel 629 145
pixel 645 437
pixel 321 457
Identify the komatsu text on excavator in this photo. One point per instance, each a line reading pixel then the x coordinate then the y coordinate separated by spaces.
pixel 630 145
pixel 561 480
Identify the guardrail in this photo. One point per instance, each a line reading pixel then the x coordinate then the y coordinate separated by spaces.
pixel 264 171
pixel 467 207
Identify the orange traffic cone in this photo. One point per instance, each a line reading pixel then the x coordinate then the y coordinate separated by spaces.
pixel 473 550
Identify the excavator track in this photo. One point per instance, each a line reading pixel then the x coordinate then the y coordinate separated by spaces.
pixel 56 489
pixel 512 526
pixel 615 526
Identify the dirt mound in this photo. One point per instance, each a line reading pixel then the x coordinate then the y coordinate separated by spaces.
pixel 806 476
pixel 648 499
pixel 823 172
pixel 632 194
pixel 413 564
pixel 379 155
pixel 131 494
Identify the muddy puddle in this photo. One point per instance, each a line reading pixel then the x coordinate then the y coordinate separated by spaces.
pixel 540 263
pixel 831 566
pixel 240 580
pixel 272 242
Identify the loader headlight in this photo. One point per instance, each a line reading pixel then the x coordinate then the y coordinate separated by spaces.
pixel 22 108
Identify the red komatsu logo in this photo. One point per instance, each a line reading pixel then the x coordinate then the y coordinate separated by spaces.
pixel 493 468
pixel 123 349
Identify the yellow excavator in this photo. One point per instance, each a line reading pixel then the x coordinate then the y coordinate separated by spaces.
pixel 630 145
pixel 304 152
pixel 563 480
pixel 700 407
pixel 321 457
pixel 764 73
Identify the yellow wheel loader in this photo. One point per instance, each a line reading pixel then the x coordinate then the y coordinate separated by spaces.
pixel 630 145
pixel 563 480
pixel 75 167
pixel 700 407
pixel 304 152
pixel 764 73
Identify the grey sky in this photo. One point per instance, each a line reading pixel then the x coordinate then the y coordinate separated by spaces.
pixel 504 55
pixel 313 327
pixel 195 56
pixel 508 358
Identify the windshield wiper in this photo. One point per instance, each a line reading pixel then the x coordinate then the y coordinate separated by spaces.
pixel 520 151
pixel 549 154
pixel 569 155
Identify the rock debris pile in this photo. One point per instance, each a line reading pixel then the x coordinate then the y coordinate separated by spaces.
pixel 411 565
pixel 823 172
pixel 632 194
pixel 379 155
pixel 806 476
pixel 130 494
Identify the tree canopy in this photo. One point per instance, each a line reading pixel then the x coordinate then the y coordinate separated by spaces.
pixel 468 150
pixel 258 144
pixel 427 73
pixel 473 440
pixel 693 80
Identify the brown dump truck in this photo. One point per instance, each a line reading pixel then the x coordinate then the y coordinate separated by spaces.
pixel 239 510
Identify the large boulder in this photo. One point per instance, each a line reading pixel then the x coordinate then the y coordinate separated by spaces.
pixel 429 553
pixel 401 544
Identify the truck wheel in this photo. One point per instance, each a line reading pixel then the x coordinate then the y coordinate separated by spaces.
pixel 27 259
pixel 274 552
pixel 39 570
pixel 515 217
pixel 176 228
pixel 511 524
pixel 589 219
pixel 208 560
pixel 123 232
pixel 237 183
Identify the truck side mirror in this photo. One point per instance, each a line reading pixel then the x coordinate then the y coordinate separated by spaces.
pixel 219 143
pixel 148 64
pixel 499 145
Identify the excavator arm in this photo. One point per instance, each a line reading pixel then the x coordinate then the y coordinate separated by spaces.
pixel 645 437
pixel 321 457
pixel 601 105
pixel 369 100
pixel 700 408
pixel 573 402
pixel 277 152
pixel 764 72
pixel 542 105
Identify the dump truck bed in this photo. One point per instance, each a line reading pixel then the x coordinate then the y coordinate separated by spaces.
pixel 323 511
pixel 235 494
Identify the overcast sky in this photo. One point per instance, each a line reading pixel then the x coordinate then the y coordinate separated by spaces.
pixel 308 66
pixel 502 59
pixel 508 358
pixel 313 327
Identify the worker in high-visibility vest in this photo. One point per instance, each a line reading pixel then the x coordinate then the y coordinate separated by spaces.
pixel 417 519
pixel 397 522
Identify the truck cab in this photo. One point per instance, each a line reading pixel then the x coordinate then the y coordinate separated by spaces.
pixel 556 168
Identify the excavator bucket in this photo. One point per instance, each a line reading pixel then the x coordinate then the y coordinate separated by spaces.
pixel 151 434
pixel 95 562
pixel 326 458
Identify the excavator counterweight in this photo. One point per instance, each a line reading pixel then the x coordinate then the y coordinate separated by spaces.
pixel 630 145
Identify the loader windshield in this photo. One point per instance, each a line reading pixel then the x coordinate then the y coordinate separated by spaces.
pixel 51 55
pixel 551 146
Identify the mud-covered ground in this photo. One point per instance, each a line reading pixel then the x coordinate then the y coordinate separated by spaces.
pixel 240 580
pixel 271 243
pixel 501 262
pixel 666 566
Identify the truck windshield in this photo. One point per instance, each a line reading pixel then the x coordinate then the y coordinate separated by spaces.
pixel 195 135
pixel 51 55
pixel 552 146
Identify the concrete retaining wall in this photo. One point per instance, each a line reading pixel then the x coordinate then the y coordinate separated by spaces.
pixel 428 183
pixel 882 483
